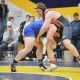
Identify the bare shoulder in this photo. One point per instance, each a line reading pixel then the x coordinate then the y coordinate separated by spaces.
pixel 53 14
pixel 49 14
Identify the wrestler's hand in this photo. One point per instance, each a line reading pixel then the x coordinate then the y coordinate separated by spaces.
pixel 37 39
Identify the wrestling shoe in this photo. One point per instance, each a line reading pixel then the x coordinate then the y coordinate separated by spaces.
pixel 52 67
pixel 42 67
pixel 13 67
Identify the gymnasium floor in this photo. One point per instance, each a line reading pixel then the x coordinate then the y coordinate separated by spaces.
pixel 30 71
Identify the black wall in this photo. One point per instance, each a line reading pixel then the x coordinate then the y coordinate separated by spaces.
pixel 58 3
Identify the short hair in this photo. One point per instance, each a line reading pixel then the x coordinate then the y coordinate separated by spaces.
pixel 9 26
pixel 10 18
pixel 28 16
pixel 33 16
pixel 75 14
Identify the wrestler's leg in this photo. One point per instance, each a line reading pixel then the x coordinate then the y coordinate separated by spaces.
pixel 72 48
pixel 50 34
pixel 51 56
pixel 39 54
pixel 29 42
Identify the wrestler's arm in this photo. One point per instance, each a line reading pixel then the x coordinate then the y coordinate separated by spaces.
pixel 46 24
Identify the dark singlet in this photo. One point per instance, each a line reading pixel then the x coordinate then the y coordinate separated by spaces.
pixel 64 21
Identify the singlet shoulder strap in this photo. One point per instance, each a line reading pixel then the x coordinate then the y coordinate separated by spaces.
pixel 48 11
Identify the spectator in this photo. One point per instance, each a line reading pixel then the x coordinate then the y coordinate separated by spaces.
pixel 23 23
pixel 10 39
pixel 10 21
pixel 3 17
pixel 32 19
pixel 76 31
pixel 21 28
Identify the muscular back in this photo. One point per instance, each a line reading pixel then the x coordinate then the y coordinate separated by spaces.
pixel 52 16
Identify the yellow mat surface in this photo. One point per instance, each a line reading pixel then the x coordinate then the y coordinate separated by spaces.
pixel 70 72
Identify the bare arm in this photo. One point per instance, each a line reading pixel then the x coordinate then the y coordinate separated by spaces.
pixel 46 24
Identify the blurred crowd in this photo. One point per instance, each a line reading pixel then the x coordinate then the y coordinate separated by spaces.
pixel 10 38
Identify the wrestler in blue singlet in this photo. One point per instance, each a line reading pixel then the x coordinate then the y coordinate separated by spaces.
pixel 33 29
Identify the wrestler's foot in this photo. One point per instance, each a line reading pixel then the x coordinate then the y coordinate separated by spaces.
pixel 42 67
pixel 52 67
pixel 13 67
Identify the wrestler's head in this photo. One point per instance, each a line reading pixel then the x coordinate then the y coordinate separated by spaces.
pixel 40 9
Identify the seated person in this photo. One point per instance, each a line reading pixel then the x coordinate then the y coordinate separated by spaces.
pixel 10 39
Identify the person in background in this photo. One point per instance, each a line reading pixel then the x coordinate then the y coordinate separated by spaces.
pixel 3 17
pixel 76 31
pixel 32 19
pixel 23 23
pixel 21 28
pixel 10 39
pixel 10 21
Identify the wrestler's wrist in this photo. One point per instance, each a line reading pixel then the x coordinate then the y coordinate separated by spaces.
pixel 38 36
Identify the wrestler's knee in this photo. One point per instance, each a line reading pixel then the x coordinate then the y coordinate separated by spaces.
pixel 66 42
